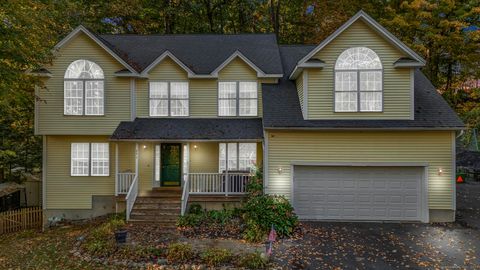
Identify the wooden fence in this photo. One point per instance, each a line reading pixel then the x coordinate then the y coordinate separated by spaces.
pixel 21 219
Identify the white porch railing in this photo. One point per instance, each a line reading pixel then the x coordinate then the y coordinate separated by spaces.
pixel 213 184
pixel 124 181
pixel 131 196
pixel 218 183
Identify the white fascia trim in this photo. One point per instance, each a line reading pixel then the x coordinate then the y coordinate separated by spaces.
pixel 412 94
pixel 82 29
pixel 238 54
pixel 301 67
pixel 161 58
pixel 376 26
pixel 408 65
pixel 127 75
pixel 305 94
pixel 359 164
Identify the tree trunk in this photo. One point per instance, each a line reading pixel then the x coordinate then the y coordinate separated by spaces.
pixel 275 16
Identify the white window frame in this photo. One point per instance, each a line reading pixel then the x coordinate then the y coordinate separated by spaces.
pixel 237 99
pixel 358 92
pixel 90 159
pixel 75 160
pixel 169 99
pixel 96 157
pixel 84 82
pixel 237 147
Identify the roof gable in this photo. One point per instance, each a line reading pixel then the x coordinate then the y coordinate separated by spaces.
pixel 239 55
pixel 81 29
pixel 369 21
pixel 163 56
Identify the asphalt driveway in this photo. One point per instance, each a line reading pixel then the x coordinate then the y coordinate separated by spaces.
pixel 320 245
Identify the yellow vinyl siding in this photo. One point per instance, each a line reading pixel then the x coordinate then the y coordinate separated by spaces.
pixel 167 70
pixel 205 158
pixel 203 92
pixel 299 84
pixel 50 118
pixel 203 98
pixel 74 192
pixel 146 165
pixel 396 94
pixel 432 147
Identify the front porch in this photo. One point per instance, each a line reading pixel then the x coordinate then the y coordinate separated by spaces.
pixel 172 174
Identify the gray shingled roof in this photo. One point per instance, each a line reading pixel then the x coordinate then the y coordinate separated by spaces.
pixel 282 106
pixel 189 129
pixel 202 53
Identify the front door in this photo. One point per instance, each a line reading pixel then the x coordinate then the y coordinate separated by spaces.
pixel 171 164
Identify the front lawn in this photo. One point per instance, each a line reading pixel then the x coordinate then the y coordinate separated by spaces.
pixel 48 250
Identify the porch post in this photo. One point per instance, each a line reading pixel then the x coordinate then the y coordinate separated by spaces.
pixel 136 159
pixel 116 169
pixel 227 179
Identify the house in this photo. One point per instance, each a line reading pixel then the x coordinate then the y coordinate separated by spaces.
pixel 349 129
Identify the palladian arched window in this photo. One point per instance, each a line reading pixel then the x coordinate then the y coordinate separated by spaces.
pixel 358 81
pixel 83 89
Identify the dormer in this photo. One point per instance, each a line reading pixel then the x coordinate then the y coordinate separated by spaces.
pixel 361 71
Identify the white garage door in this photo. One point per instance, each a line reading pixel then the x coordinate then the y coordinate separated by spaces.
pixel 358 193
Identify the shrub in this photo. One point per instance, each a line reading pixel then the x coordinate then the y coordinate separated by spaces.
pixel 195 209
pixel 255 186
pixel 216 256
pixel 98 245
pixel 179 253
pixel 261 212
pixel 189 220
pixel 253 261
pixel 253 232
pixel 220 216
pixel 101 238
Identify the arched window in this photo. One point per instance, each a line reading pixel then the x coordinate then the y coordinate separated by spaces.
pixel 358 81
pixel 83 89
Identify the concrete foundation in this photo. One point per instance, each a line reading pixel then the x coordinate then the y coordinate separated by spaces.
pixel 442 215
pixel 101 205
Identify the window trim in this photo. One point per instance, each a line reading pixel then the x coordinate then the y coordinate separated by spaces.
pixel 358 91
pixel 89 169
pixel 84 91
pixel 237 98
pixel 238 155
pixel 169 99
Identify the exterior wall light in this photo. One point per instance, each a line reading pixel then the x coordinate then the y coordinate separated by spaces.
pixel 280 170
pixel 440 171
pixel 144 146
pixel 195 147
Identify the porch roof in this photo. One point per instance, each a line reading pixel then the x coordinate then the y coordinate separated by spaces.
pixel 189 129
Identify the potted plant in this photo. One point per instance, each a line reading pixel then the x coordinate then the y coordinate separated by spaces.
pixel 119 230
pixel 121 236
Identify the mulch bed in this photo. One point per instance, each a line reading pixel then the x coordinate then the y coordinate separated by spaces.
pixel 230 230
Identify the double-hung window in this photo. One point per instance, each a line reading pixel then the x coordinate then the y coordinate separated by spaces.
pixel 169 99
pixel 83 89
pixel 240 156
pixel 90 159
pixel 237 98
pixel 358 81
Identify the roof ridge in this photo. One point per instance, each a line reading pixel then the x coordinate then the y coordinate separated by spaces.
pixel 191 34
pixel 296 45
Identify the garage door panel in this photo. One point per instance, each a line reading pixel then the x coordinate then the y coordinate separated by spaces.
pixel 358 193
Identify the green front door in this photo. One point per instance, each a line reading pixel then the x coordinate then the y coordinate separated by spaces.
pixel 171 164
